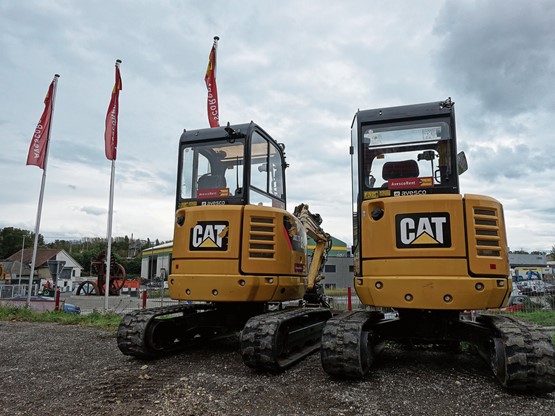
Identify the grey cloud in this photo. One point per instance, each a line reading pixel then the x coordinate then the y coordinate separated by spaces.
pixel 91 210
pixel 491 162
pixel 498 51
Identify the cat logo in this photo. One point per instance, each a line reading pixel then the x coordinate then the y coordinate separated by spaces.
pixel 427 230
pixel 209 236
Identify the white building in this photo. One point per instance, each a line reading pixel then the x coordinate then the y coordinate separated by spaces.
pixel 69 270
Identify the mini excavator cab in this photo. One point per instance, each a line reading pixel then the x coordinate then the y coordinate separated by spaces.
pixel 212 168
pixel 234 241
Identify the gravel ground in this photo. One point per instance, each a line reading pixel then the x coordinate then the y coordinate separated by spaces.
pixel 48 369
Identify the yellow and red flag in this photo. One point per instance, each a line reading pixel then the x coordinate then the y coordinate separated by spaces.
pixel 111 133
pixel 39 142
pixel 210 80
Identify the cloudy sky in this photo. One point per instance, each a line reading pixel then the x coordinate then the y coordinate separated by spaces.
pixel 300 69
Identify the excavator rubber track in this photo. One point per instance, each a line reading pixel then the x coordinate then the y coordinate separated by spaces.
pixel 154 332
pixel 275 341
pixel 345 350
pixel 523 356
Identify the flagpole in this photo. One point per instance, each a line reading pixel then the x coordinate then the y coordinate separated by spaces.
pixel 109 235
pixel 115 94
pixel 39 209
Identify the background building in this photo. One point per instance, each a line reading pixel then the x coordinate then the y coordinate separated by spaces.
pixel 155 259
pixel 529 266
pixel 20 263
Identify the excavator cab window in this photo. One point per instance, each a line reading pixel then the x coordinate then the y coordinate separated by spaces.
pixel 266 173
pixel 235 165
pixel 212 170
pixel 408 158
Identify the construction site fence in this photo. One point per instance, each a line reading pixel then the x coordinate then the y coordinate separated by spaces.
pixel 152 296
pixel 522 303
pixel 13 291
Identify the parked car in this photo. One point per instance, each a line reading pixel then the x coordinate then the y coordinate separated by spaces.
pixel 549 288
pixel 532 287
pixel 68 307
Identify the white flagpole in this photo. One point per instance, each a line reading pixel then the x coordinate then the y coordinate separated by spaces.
pixel 39 209
pixel 109 236
pixel 110 214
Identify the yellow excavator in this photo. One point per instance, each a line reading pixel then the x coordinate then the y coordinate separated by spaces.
pixel 429 252
pixel 239 259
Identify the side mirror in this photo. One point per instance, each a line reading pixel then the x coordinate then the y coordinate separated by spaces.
pixel 462 164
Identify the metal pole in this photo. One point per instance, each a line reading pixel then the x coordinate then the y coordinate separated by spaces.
pixel 109 233
pixel 21 262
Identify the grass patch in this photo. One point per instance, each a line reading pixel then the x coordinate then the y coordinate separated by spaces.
pixel 541 317
pixel 108 321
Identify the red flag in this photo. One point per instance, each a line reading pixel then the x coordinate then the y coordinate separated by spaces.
pixel 210 80
pixel 111 133
pixel 39 142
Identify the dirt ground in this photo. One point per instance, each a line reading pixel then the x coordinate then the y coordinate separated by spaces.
pixel 48 369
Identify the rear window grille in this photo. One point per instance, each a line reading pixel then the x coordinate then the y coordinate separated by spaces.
pixel 486 232
pixel 262 238
pixel 480 221
pixel 486 229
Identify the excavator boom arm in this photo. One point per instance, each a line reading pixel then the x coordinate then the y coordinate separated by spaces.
pixel 311 223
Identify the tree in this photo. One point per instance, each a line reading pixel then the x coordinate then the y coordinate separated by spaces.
pixel 132 266
pixel 11 240
pixel 551 254
pixel 84 251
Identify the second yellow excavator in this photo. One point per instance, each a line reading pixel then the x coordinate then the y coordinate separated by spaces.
pixel 239 260
pixel 429 252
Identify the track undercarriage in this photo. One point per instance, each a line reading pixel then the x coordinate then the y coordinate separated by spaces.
pixel 521 356
pixel 277 340
pixel 270 341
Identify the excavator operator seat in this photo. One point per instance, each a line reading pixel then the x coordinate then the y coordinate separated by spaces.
pixel 403 169
pixel 211 181
pixel 400 170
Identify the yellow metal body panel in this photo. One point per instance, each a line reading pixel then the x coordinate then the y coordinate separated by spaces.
pixel 235 253
pixel 206 239
pixel 235 288
pixel 380 235
pixel 487 239
pixel 428 284
pixel 434 252
pixel 265 246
